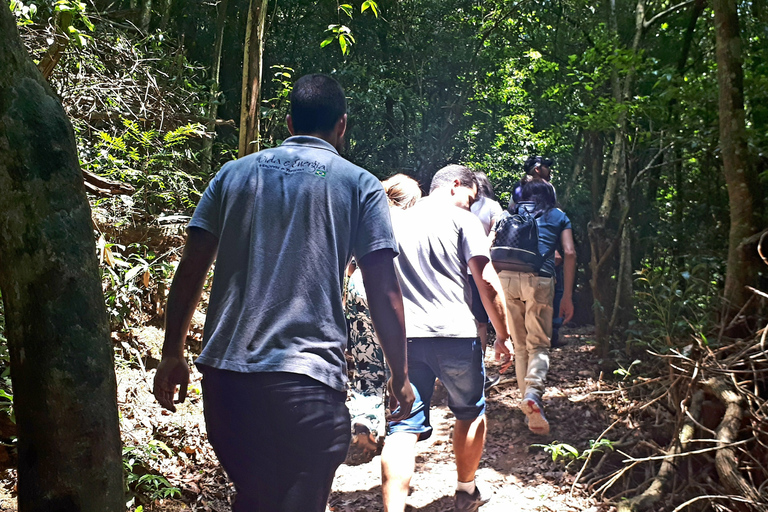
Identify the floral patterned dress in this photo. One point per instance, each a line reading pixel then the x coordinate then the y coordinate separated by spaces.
pixel 369 374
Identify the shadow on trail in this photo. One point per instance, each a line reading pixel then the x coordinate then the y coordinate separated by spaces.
pixel 370 501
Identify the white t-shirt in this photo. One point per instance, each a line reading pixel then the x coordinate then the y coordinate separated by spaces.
pixel 436 240
pixel 486 210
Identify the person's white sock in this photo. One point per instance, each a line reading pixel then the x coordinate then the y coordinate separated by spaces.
pixel 468 487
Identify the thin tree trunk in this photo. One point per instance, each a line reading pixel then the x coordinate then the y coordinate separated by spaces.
pixel 56 323
pixel 251 90
pixel 741 269
pixel 166 14
pixel 213 102
pixel 616 176
pixel 146 15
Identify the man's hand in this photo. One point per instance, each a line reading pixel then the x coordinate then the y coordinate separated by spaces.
pixel 401 398
pixel 566 309
pixel 504 352
pixel 171 371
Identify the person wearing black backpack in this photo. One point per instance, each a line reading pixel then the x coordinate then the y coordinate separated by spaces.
pixel 540 167
pixel 523 253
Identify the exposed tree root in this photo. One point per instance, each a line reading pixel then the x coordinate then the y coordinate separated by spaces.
pixel 663 480
pixel 719 452
pixel 726 460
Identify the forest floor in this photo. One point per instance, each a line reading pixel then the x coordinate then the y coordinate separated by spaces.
pixel 518 474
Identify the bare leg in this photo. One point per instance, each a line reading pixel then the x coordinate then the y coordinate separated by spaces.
pixel 468 443
pixel 398 460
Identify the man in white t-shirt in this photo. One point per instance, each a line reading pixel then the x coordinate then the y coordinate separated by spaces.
pixel 439 240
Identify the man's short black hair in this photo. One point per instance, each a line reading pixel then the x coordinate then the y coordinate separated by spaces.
pixel 317 104
pixel 535 161
pixel 446 175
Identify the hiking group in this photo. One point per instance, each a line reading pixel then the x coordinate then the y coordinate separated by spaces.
pixel 283 224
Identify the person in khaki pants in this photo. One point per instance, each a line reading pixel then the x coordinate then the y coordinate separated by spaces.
pixel 529 299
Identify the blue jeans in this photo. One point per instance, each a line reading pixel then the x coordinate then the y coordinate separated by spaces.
pixel 458 363
pixel 279 436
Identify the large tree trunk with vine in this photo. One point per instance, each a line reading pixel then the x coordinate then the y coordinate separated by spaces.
pixel 252 70
pixel 742 266
pixel 604 240
pixel 56 323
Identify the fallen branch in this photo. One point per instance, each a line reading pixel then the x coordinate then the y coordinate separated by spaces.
pixel 103 187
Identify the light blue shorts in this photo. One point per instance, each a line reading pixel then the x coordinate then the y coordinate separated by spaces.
pixel 458 363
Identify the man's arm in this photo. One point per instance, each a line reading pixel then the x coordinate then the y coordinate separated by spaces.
pixel 385 302
pixel 187 286
pixel 492 295
pixel 569 275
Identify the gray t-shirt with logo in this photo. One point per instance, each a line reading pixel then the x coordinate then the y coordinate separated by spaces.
pixel 288 220
pixel 436 241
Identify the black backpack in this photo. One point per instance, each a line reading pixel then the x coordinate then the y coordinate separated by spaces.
pixel 516 245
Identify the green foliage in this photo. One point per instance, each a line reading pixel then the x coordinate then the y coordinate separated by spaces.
pixel 567 452
pixel 625 372
pixel 141 483
pixel 73 14
pixel 274 109
pixel 559 450
pixel 342 33
pixel 152 160
pixel 6 395
pixel 128 278
pixel 672 305
pixel 24 13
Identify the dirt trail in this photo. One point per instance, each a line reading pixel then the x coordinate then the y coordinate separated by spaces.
pixel 519 476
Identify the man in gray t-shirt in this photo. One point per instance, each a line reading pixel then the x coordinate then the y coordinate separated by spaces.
pixel 283 224
pixel 439 240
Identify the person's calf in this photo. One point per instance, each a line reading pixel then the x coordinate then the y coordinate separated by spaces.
pixel 398 459
pixel 468 443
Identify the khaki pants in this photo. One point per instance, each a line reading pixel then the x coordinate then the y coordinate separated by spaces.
pixel 529 307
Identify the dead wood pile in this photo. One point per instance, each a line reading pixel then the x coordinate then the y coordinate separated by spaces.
pixel 713 400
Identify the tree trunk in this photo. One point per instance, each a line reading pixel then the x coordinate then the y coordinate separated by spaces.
pixel 600 240
pixel 213 104
pixel 146 15
pixel 56 324
pixel 251 91
pixel 742 266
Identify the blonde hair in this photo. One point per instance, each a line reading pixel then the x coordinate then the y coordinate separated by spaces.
pixel 402 191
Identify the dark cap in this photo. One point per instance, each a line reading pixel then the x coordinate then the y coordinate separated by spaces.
pixel 535 161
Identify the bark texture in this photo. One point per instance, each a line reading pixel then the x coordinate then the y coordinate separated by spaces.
pixel 742 263
pixel 726 460
pixel 252 71
pixel 56 324
pixel 213 102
